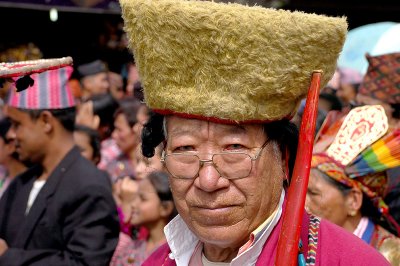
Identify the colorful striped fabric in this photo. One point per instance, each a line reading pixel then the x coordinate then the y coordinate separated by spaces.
pixel 49 91
pixel 313 240
pixel 361 153
pixel 380 156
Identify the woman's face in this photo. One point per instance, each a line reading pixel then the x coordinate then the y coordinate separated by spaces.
pixel 146 207
pixel 325 200
pixel 124 135
pixel 144 166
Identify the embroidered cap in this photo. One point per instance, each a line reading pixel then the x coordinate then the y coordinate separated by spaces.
pixel 44 84
pixel 382 80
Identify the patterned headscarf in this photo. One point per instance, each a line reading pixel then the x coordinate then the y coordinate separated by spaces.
pixel 361 152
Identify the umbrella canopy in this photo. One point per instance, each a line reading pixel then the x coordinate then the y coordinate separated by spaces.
pixel 372 39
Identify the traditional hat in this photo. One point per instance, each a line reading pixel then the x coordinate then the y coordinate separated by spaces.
pixel 228 62
pixel 48 82
pixel 382 80
pixel 361 152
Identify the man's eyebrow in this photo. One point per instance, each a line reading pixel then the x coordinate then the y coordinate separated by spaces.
pixel 233 130
pixel 236 130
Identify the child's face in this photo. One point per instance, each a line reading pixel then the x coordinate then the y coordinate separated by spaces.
pixel 146 208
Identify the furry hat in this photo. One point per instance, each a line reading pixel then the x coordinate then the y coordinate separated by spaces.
pixel 228 62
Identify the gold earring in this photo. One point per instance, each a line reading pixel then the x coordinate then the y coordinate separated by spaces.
pixel 352 213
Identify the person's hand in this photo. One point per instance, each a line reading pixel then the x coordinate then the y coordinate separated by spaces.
pixel 3 246
pixel 125 191
pixel 86 117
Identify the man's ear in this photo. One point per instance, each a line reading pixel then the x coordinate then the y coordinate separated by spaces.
pixel 167 207
pixel 47 119
pixel 285 165
pixel 86 82
pixel 353 201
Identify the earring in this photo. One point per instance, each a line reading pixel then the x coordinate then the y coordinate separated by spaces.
pixel 352 213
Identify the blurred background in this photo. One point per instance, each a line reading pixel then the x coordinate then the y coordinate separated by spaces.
pixel 89 29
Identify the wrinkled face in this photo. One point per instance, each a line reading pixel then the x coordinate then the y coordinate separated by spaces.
pixel 144 166
pixel 124 135
pixel 29 135
pixel 325 200
pixel 219 211
pixel 146 207
pixel 82 140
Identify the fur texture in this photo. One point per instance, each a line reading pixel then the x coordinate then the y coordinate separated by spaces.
pixel 229 61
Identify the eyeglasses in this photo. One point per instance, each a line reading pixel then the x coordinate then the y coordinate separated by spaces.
pixel 230 165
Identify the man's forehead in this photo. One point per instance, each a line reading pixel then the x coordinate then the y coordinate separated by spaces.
pixel 177 126
pixel 12 112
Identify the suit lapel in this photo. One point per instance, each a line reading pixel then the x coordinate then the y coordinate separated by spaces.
pixel 41 202
pixel 15 205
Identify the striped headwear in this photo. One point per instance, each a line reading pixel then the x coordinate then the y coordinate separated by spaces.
pixel 40 84
pixel 49 91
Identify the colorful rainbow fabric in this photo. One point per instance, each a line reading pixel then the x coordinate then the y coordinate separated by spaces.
pixel 380 156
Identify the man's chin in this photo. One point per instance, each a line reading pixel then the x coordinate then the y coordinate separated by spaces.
pixel 26 160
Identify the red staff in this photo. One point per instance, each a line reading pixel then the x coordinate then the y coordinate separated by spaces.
pixel 288 244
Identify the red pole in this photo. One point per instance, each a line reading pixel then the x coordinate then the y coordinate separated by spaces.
pixel 290 233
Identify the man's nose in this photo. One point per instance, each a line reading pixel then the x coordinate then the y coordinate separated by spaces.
pixel 209 179
pixel 11 134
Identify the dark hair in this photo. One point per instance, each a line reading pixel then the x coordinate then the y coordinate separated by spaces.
pixel 65 116
pixel 333 100
pixel 129 107
pixel 344 190
pixel 104 106
pixel 138 91
pixel 5 125
pixel 159 180
pixel 396 110
pixel 284 132
pixel 94 138
pixel 152 134
pixel 286 135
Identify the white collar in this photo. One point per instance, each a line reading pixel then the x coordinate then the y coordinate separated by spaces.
pixel 182 241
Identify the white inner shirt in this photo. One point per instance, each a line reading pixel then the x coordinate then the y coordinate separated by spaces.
pixel 183 242
pixel 37 186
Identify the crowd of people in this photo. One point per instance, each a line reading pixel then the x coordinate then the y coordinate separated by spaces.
pixel 189 163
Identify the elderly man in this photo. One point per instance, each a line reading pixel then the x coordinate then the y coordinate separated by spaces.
pixel 223 81
pixel 60 211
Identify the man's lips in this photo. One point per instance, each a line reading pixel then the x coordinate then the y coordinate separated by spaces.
pixel 213 207
pixel 214 215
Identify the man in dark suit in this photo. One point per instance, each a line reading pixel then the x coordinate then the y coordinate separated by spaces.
pixel 61 211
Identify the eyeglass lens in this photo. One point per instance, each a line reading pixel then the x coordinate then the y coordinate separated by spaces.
pixel 228 165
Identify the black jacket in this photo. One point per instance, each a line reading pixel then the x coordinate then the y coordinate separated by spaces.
pixel 73 220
